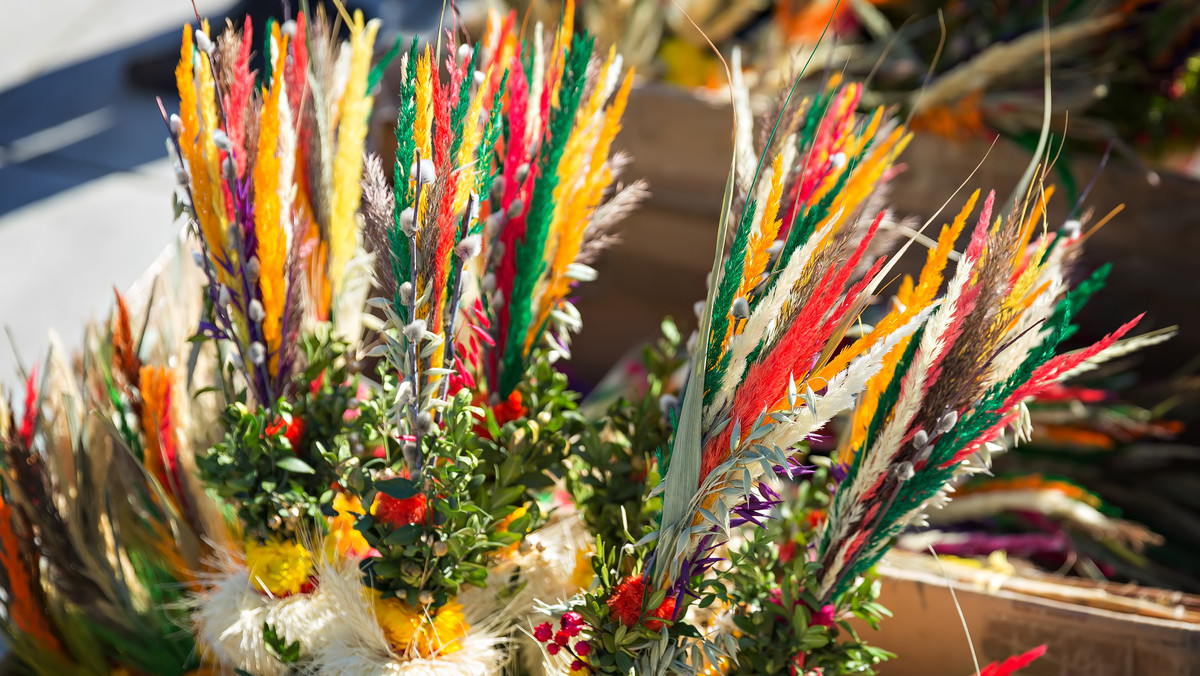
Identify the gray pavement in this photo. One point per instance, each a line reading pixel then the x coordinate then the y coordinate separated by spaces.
pixel 85 184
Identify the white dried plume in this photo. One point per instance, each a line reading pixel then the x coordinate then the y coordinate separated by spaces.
pixel 229 613
pixel 1120 349
pixel 763 318
pixel 743 139
pixel 203 42
pixel 355 645
pixel 341 76
pixel 286 152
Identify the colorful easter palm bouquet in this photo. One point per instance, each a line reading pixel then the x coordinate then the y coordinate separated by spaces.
pixel 350 453
pixel 741 571
pixel 340 471
pixel 1052 502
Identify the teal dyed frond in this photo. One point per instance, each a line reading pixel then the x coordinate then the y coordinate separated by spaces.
pixel 530 252
pixel 527 62
pixel 406 149
pixel 731 281
pixel 376 74
pixel 887 401
pixel 808 132
pixel 464 102
pixel 127 434
pixel 406 122
pixel 883 410
pixel 488 170
pixel 1080 295
pixel 267 65
pixel 912 495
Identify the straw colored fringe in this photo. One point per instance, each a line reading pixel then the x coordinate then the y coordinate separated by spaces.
pixel 354 644
pixel 229 615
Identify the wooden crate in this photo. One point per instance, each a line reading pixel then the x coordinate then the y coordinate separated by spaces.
pixel 1113 630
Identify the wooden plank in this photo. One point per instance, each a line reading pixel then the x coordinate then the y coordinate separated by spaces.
pixel 928 637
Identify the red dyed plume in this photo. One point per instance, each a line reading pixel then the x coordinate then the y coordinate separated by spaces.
pixel 1012 664
pixel 25 434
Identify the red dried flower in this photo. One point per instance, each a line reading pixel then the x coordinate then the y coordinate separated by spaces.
pixel 572 619
pixel 510 409
pixel 787 551
pixel 583 648
pixel 293 431
pixel 506 411
pixel 625 604
pixel 562 637
pixel 664 612
pixel 399 513
pixel 543 632
pixel 1013 664
pixel 553 648
pixel 25 434
pixel 577 665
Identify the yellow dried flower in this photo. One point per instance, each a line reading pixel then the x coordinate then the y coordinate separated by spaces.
pixel 408 629
pixel 279 567
pixel 344 539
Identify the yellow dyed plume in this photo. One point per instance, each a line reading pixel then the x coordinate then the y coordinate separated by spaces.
pixel 576 201
pixel 470 145
pixel 347 167
pixel 268 211
pixel 909 301
pixel 757 254
pixel 423 134
pixel 197 149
